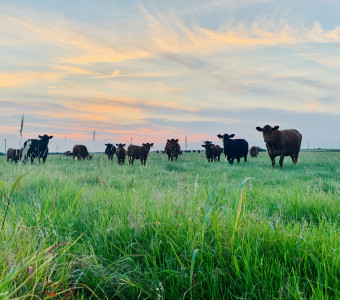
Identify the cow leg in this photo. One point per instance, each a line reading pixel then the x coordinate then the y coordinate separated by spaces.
pixel 281 160
pixel 238 160
pixel 273 161
pixel 245 159
pixel 219 158
pixel 32 159
pixel 296 158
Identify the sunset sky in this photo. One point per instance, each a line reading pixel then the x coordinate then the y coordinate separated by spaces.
pixel 153 70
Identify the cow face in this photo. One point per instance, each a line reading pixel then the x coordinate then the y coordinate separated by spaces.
pixel 120 145
pixel 45 138
pixel 108 148
pixel 148 146
pixel 267 132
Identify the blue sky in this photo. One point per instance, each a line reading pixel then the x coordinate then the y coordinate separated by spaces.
pixel 153 70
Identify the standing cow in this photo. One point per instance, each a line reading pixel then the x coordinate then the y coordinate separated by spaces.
pixel 281 143
pixel 35 148
pixel 110 151
pixel 121 153
pixel 172 149
pixel 212 152
pixel 254 151
pixel 14 154
pixel 80 151
pixel 236 148
pixel 139 152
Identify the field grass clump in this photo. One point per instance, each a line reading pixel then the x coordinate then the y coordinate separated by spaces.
pixel 173 230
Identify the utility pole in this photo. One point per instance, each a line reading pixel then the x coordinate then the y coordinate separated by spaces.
pixel 131 140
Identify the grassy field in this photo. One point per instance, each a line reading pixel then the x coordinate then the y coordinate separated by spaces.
pixel 171 230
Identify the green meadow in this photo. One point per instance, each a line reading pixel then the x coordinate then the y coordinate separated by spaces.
pixel 171 230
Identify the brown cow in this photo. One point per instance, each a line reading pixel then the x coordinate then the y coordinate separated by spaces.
pixel 254 151
pixel 172 149
pixel 14 154
pixel 139 152
pixel 281 143
pixel 121 153
pixel 80 151
pixel 212 152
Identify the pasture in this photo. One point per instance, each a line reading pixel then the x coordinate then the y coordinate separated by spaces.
pixel 171 230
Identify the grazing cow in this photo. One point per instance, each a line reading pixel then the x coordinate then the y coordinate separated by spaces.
pixel 172 149
pixel 14 154
pixel 139 152
pixel 110 151
pixel 35 148
pixel 80 151
pixel 121 153
pixel 254 151
pixel 237 148
pixel 281 143
pixel 212 152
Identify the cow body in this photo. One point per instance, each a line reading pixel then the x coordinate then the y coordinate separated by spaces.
pixel 254 151
pixel 121 153
pixel 281 143
pixel 14 154
pixel 172 149
pixel 35 148
pixel 80 151
pixel 139 152
pixel 110 151
pixel 212 152
pixel 234 148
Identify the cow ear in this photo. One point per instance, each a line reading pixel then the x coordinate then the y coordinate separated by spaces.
pixel 124 145
pixel 203 146
pixel 151 145
pixel 231 136
pixel 51 136
pixel 275 128
pixel 259 128
pixel 168 141
pixel 143 144
pixel 176 140
pixel 219 136
pixel 117 144
pixel 40 136
pixel 105 144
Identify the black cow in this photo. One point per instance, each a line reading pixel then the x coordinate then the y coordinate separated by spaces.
pixel 110 151
pixel 36 149
pixel 237 148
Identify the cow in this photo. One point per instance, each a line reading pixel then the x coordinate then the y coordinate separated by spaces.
pixel 35 148
pixel 236 148
pixel 14 154
pixel 254 151
pixel 80 151
pixel 121 153
pixel 212 152
pixel 139 152
pixel 110 151
pixel 172 149
pixel 281 143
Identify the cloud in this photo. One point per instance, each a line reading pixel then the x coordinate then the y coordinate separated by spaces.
pixel 21 79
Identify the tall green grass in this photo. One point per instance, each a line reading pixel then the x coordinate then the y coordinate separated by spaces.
pixel 173 230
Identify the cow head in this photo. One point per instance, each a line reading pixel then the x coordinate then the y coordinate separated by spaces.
pixel 148 146
pixel 267 132
pixel 121 145
pixel 109 148
pixel 45 138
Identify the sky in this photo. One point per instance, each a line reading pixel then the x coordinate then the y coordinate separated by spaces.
pixel 154 70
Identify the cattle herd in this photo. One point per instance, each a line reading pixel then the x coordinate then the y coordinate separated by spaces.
pixel 278 142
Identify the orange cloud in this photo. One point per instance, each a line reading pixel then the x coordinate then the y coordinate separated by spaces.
pixel 9 80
